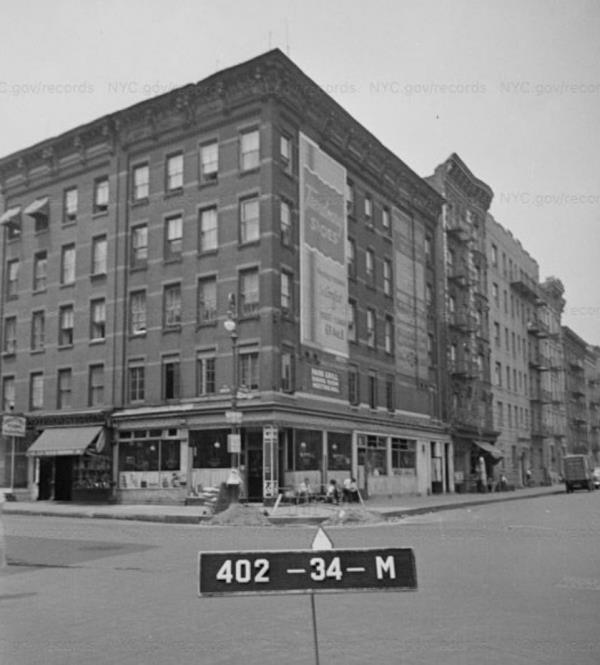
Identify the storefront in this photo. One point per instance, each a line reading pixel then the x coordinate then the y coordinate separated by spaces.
pixel 72 464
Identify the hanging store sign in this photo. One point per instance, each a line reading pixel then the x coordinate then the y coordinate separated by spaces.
pixel 14 425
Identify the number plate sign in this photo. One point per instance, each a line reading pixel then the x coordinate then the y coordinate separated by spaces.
pixel 306 571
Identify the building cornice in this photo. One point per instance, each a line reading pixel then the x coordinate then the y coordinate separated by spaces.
pixel 269 76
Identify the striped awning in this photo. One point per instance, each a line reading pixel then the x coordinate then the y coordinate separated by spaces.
pixel 11 215
pixel 67 441
pixel 38 207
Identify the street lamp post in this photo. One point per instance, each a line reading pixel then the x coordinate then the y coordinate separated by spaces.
pixel 230 325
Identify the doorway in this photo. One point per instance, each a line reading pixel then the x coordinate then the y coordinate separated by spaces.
pixel 46 481
pixel 63 482
pixel 254 468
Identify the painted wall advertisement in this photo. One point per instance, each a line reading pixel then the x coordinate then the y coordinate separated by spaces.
pixel 323 271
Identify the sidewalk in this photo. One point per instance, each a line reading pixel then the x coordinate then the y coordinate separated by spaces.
pixel 313 513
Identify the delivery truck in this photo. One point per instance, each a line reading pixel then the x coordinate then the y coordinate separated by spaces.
pixel 578 473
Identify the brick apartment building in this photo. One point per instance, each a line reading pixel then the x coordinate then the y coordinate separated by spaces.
pixel 250 199
pixel 464 309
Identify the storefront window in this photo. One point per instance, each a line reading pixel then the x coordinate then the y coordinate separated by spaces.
pixel 147 459
pixel 403 455
pixel 210 449
pixel 339 451
pixel 372 454
pixel 305 450
pixel 92 472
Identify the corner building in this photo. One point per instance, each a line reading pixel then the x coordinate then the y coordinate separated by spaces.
pixel 250 198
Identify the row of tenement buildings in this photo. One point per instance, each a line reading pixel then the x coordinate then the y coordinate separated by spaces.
pixel 240 256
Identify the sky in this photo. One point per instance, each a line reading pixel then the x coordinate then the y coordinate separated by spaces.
pixel 512 86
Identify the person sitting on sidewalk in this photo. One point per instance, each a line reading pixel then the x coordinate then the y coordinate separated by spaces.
pixel 350 490
pixel 333 493
pixel 304 491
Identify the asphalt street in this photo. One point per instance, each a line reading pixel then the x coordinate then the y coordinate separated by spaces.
pixel 509 583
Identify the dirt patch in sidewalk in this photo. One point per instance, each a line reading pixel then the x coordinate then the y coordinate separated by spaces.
pixel 240 515
pixel 358 515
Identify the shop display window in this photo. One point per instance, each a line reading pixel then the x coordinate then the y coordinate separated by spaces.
pixel 91 472
pixel 147 460
pixel 339 451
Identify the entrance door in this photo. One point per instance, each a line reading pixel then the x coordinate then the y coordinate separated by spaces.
pixel 45 482
pixel 255 474
pixel 64 478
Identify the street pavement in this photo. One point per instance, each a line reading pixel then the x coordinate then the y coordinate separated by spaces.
pixel 311 513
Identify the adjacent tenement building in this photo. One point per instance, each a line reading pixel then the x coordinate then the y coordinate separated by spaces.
pixel 464 310
pixel 236 272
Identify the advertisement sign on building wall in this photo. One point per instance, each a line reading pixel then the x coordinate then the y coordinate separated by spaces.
pixel 323 272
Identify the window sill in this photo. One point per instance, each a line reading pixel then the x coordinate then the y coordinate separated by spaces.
pixel 249 243
pixel 208 182
pixel 99 213
pixel 35 352
pixel 246 172
pixel 206 324
pixel 140 203
pixel 171 329
pixel 65 347
pixel 173 192
pixel 38 292
pixel 98 277
pixel 139 267
pixel 70 285
pixel 9 354
pixel 69 222
pixel 40 232
pixel 208 252
pixel 96 342
pixel 173 259
pixel 137 335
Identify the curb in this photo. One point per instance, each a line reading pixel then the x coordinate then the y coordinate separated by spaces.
pixel 284 520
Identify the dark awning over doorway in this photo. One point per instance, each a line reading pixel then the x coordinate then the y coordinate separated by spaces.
pixel 489 448
pixel 65 441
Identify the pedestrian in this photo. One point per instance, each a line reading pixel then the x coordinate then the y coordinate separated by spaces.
pixel 528 477
pixel 304 491
pixel 350 490
pixel 481 475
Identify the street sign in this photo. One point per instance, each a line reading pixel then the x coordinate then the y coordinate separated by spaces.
pixel 234 443
pixel 306 571
pixel 233 417
pixel 13 425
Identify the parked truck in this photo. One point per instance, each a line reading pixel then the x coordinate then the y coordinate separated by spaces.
pixel 578 473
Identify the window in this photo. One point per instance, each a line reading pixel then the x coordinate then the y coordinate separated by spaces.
pixel 98 319
pixel 37 331
pixel 285 152
pixel 40 271
pixel 428 248
pixel 12 279
pixel 509 415
pixel 498 373
pixel 496 294
pixel 99 255
pixel 173 237
pixel 371 328
pixel 494 256
pixel 8 393
pixel 249 220
pixel 170 378
pixel 286 293
pixel 372 452
pixel 67 265
pixel 369 209
pixel 172 306
pixel 65 325
pixel 174 172
pixel 96 385
pixel 287 371
pixel 36 391
pixel 139 246
pixel 136 382
pixel 10 335
pixel 506 338
pixel 353 385
pixel 205 374
pixel 349 197
pixel 209 162
pixel 63 392
pixel 70 203
pixel 285 222
pixel 141 182
pixel 39 210
pixel 389 334
pixel 404 454
pixel 207 230
pixel 372 383
pixel 389 392
pixel 497 334
pixel 352 321
pixel 505 301
pixel 370 267
pixel 387 277
pixel 351 258
pixel 507 378
pixel 249 150
pixel 500 408
pixel 386 220
pixel 249 370
pixel 207 301
pixel 100 195
pixel 249 292
pixel 137 312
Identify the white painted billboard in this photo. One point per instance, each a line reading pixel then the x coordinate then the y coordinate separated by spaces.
pixel 323 271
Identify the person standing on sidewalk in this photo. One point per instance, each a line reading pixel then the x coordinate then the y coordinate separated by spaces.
pixel 481 475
